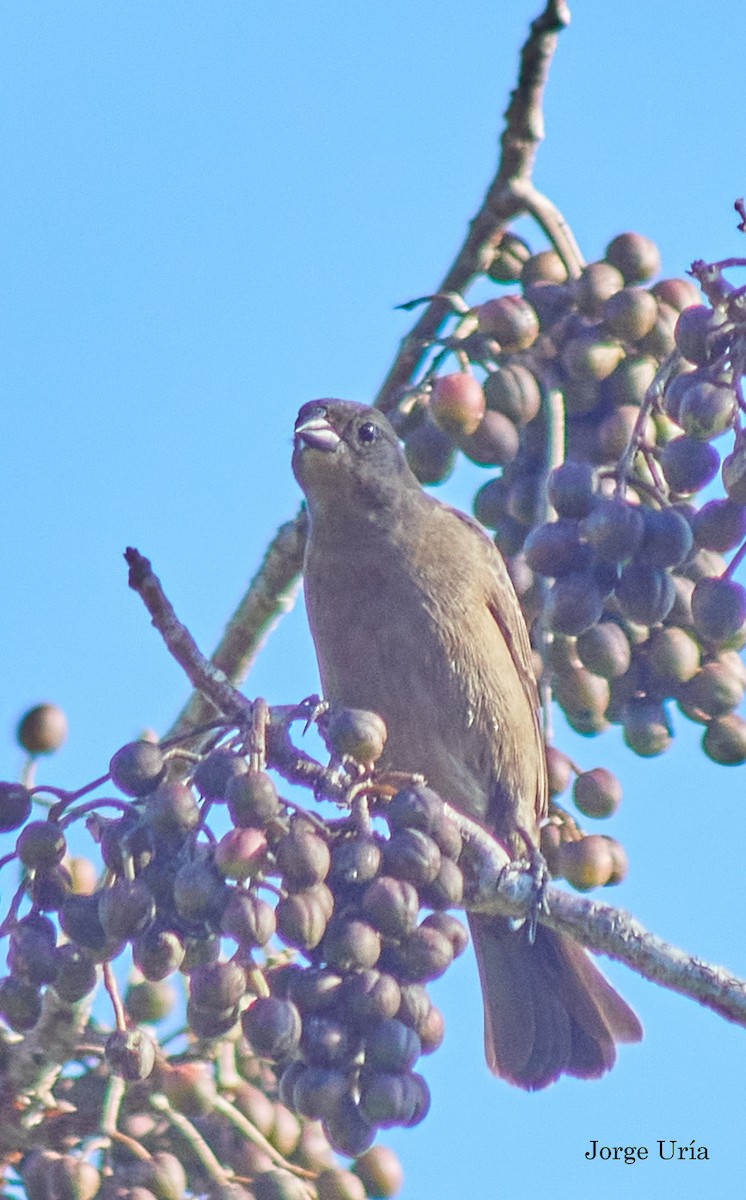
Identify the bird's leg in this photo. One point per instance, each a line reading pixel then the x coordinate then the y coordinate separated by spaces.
pixel 540 879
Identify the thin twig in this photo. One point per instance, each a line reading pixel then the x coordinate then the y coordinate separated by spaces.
pixel 270 595
pixel 110 983
pixel 735 562
pixel 248 1130
pixel 652 398
pixel 202 673
pixel 282 755
pixel 550 219
pixel 112 1103
pixel 195 1141
pixel 509 195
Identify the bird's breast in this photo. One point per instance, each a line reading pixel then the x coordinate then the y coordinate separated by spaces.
pixel 409 635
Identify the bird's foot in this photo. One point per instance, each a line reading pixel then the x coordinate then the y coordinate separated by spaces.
pixel 312 708
pixel 540 880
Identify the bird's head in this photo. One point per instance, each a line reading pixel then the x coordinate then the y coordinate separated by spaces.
pixel 346 457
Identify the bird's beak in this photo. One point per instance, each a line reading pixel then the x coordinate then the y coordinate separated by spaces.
pixel 315 430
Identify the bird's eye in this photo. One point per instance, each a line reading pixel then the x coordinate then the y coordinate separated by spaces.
pixel 368 432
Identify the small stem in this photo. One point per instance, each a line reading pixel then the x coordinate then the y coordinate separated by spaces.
pixel 90 806
pixel 738 558
pixel 360 811
pixel 658 487
pixel 550 219
pixel 257 739
pixel 306 813
pixel 132 1145
pixel 28 771
pixel 271 887
pixel 726 263
pixel 711 280
pixel 177 739
pixel 635 484
pixel 256 981
pixel 252 1134
pixel 653 395
pixel 194 1139
pixel 112 988
pixel 10 917
pixel 113 1096
pixel 228 1078
pixel 65 797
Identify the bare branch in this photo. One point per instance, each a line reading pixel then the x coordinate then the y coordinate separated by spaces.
pixel 207 678
pixel 524 119
pixel 270 595
pixel 33 1068
pixel 509 890
pixel 508 195
pixel 35 1061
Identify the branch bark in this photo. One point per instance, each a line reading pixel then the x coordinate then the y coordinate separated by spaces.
pixel 34 1065
pixel 509 195
pixel 209 680
pixel 507 889
pixel 270 595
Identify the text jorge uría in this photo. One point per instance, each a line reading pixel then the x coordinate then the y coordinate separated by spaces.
pixel 667 1148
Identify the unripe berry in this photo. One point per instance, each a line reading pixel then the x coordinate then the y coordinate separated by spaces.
pixel 43 729
pixel 587 863
pixel 356 733
pixel 457 404
pixel 597 793
pixel 636 256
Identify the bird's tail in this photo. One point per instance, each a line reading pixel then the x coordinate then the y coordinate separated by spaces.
pixel 548 1011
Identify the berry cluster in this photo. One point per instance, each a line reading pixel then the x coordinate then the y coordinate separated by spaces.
pixel 304 951
pixel 301 940
pixel 350 1027
pixel 619 571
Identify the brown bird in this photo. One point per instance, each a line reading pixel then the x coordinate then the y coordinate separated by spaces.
pixel 414 617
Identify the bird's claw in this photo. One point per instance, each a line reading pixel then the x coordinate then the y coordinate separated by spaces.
pixel 541 878
pixel 312 708
pixel 535 864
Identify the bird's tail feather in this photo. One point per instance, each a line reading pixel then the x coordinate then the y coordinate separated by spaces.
pixel 548 1010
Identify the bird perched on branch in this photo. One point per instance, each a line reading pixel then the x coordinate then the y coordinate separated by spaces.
pixel 414 617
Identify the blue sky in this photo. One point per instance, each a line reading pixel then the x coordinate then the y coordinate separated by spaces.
pixel 210 212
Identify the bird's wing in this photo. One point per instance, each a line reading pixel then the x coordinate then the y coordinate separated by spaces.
pixel 505 610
